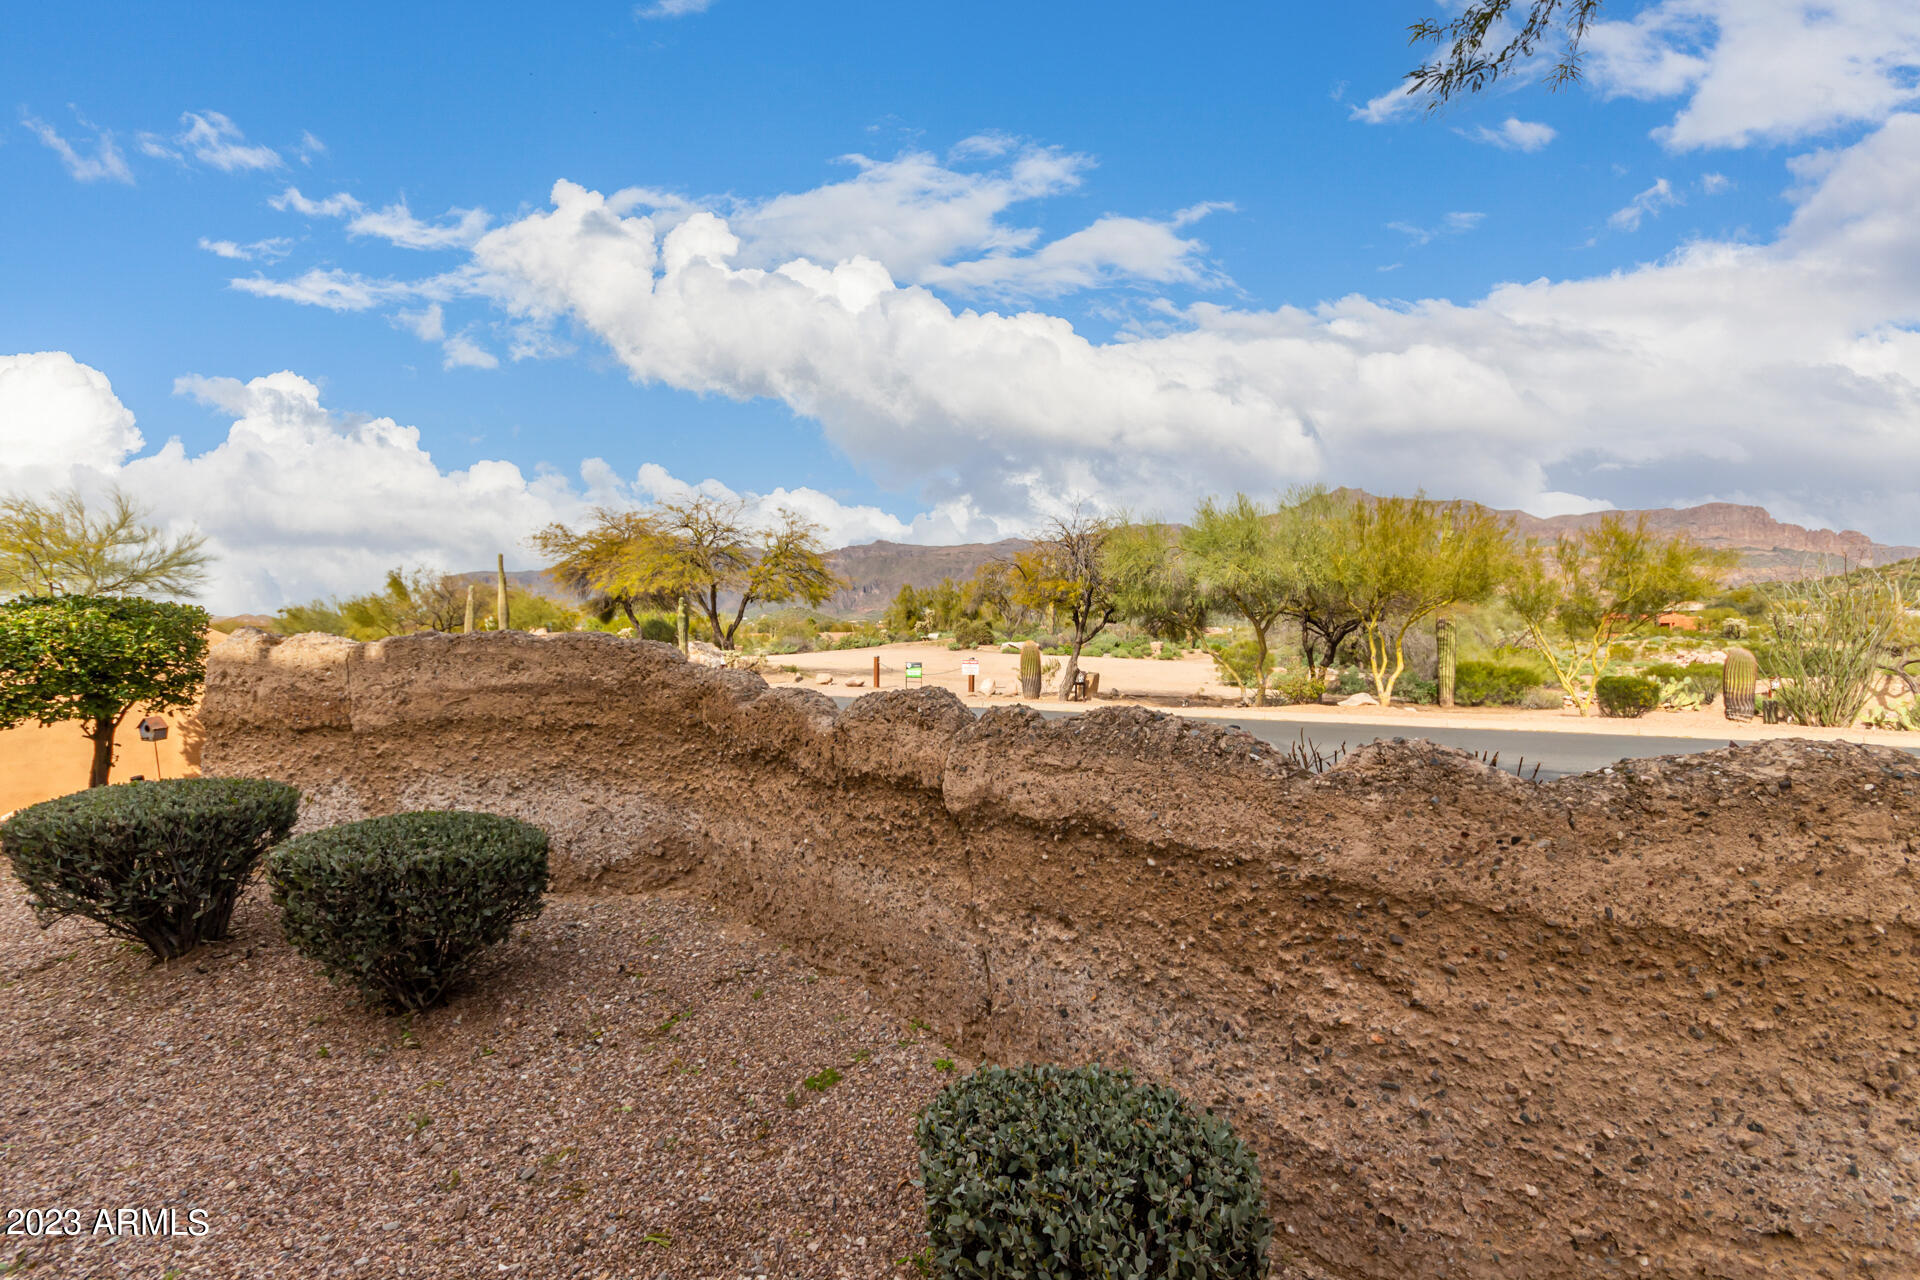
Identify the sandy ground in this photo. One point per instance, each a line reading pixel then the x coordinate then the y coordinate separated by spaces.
pixel 1153 682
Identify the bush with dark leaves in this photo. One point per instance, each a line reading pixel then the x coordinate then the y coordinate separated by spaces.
pixel 402 907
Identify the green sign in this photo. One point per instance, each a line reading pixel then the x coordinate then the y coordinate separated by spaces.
pixel 913 671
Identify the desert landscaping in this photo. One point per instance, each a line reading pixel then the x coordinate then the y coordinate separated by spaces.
pixel 699 640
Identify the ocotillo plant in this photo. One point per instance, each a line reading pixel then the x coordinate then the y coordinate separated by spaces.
pixel 1448 645
pixel 1737 680
pixel 469 627
pixel 500 606
pixel 1029 670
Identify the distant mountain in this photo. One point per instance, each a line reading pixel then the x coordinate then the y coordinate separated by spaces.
pixel 1770 550
pixel 877 570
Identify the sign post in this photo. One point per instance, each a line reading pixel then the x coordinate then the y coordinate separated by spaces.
pixel 876 671
pixel 970 669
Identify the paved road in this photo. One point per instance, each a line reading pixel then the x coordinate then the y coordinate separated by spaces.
pixel 1557 753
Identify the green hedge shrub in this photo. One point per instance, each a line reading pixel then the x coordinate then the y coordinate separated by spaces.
pixel 1626 696
pixel 161 863
pixel 1479 683
pixel 654 627
pixel 1050 1171
pixel 402 907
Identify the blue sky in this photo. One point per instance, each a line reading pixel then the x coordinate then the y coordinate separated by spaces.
pixel 1116 253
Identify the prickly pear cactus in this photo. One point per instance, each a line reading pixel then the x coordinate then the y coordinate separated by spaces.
pixel 1029 670
pixel 1737 680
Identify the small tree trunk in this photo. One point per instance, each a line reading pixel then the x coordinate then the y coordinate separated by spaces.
pixel 1068 670
pixel 1260 667
pixel 102 735
pixel 500 606
pixel 1447 643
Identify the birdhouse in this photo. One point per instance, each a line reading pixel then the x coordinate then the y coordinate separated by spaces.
pixel 153 729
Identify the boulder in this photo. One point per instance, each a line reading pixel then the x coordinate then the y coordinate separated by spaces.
pixel 1359 700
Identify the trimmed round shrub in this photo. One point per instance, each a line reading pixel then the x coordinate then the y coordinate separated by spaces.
pixel 1050 1171
pixel 654 627
pixel 161 863
pixel 1626 696
pixel 402 907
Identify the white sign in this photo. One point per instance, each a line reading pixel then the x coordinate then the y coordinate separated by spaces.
pixel 970 668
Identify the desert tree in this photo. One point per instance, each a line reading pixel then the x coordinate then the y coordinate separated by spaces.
pixel 1399 561
pixel 1307 528
pixel 705 550
pixel 1237 554
pixel 1488 40
pixel 59 546
pixel 1069 573
pixel 603 563
pixel 1160 593
pixel 94 659
pixel 1585 592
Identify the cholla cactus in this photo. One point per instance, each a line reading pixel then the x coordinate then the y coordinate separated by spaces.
pixel 1738 679
pixel 1029 670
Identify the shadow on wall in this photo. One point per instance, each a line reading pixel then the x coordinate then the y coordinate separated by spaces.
pixel 1474 1026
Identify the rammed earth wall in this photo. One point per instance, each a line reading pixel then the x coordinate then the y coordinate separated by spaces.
pixel 1663 1020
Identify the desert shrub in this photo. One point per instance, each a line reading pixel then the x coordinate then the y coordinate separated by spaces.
pixel 655 627
pixel 161 863
pixel 402 907
pixel 1626 696
pixel 1478 683
pixel 1544 698
pixel 1351 681
pixel 971 634
pixel 1050 1171
pixel 1297 687
pixel 1416 689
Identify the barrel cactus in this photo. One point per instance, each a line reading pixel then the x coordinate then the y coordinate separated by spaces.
pixel 1029 670
pixel 1737 681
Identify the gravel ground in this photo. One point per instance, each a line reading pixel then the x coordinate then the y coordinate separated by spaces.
pixel 623 1092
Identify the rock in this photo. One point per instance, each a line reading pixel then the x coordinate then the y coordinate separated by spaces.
pixel 700 653
pixel 856 684
pixel 823 679
pixel 1359 700
pixel 988 688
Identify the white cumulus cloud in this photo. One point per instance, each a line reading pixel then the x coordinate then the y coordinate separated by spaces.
pixel 299 501
pixel 1756 71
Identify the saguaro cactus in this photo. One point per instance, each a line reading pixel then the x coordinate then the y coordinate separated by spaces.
pixel 1737 680
pixel 469 627
pixel 500 605
pixel 1448 645
pixel 1029 670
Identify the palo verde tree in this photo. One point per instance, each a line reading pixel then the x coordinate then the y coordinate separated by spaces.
pixel 94 659
pixel 701 549
pixel 1585 592
pixel 1399 561
pixel 1307 530
pixel 1237 554
pixel 61 547
pixel 613 563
